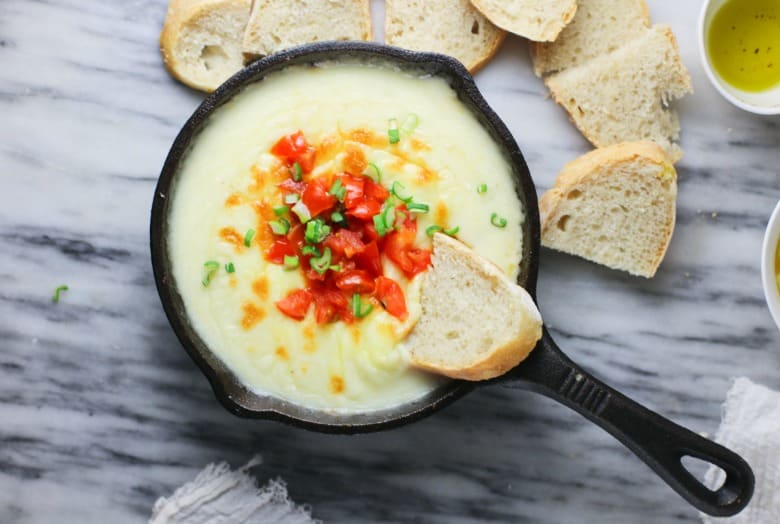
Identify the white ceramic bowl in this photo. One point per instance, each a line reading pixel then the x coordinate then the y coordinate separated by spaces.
pixel 771 238
pixel 763 103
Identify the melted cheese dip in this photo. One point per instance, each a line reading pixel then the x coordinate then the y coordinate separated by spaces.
pixel 227 185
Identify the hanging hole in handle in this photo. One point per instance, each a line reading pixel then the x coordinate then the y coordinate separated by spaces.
pixel 700 469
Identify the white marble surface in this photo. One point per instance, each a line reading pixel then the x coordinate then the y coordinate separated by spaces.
pixel 101 411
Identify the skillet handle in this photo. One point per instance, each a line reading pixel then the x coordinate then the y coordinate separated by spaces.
pixel 660 443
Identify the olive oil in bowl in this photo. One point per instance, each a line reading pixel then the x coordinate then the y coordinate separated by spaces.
pixel 743 43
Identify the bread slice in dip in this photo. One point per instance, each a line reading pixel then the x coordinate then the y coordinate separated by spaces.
pixel 476 323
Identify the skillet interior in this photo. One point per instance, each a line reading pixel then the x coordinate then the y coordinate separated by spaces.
pixel 227 388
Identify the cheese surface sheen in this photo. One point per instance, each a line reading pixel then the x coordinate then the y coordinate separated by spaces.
pixel 228 185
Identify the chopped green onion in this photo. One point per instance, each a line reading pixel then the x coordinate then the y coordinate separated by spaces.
pixel 432 229
pixel 56 297
pixel 397 190
pixel 291 198
pixel 281 210
pixel 316 231
pixel 337 267
pixel 250 234
pixel 452 231
pixel 311 250
pixel 377 172
pixel 416 206
pixel 379 225
pixel 290 262
pixel 482 188
pixel 338 190
pixel 212 266
pixel 410 124
pixel 392 131
pixel 302 211
pixel 279 227
pixel 297 172
pixel 230 268
pixel 322 263
pixel 337 217
pixel 357 307
pixel 497 221
pixel 384 221
pixel 388 217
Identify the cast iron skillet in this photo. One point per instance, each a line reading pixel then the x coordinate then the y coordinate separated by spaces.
pixel 661 444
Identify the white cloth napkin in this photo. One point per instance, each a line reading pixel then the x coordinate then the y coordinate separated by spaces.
pixel 751 428
pixel 219 495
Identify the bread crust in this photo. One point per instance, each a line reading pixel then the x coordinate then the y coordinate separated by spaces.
pixel 475 65
pixel 178 14
pixel 539 50
pixel 497 19
pixel 489 54
pixel 589 167
pixel 675 152
pixel 365 22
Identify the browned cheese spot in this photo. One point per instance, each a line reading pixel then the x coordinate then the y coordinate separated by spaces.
pixel 441 215
pixel 426 174
pixel 336 384
pixel 260 287
pixel 264 237
pixel 308 339
pixel 354 161
pixel 281 352
pixel 355 332
pixel 257 183
pixel 231 236
pixel 418 145
pixel 252 315
pixel 367 137
pixel 233 200
pixel 328 148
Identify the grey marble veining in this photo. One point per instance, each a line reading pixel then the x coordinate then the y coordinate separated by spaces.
pixel 101 411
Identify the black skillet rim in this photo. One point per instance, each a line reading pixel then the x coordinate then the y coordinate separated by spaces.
pixel 227 388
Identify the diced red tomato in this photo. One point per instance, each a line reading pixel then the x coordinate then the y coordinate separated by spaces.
pixel 288 186
pixel 345 242
pixel 365 210
pixel 369 260
pixel 331 305
pixel 294 148
pixel 375 191
pixel 391 296
pixel 279 249
pixel 296 235
pixel 400 248
pixel 316 196
pixel 355 281
pixel 296 304
pixel 306 160
pixel 355 248
pixel 353 189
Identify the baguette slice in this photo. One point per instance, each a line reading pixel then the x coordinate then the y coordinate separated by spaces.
pixel 451 27
pixel 539 20
pixel 201 40
pixel 624 95
pixel 476 323
pixel 599 27
pixel 278 24
pixel 614 206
